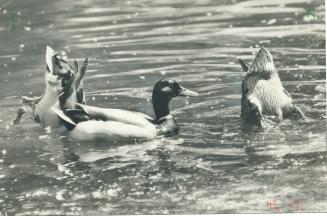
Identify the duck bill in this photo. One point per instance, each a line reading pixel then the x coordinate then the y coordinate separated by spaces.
pixel 186 92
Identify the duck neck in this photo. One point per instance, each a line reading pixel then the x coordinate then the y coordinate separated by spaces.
pixel 160 106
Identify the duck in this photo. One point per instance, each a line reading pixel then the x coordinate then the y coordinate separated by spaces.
pixel 90 123
pixel 63 82
pixel 263 94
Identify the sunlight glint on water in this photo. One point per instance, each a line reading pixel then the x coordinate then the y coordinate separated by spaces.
pixel 212 166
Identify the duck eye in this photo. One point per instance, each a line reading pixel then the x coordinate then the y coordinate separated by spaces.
pixel 176 86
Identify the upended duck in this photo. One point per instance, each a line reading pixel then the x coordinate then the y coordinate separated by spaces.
pixel 89 123
pixel 61 79
pixel 263 93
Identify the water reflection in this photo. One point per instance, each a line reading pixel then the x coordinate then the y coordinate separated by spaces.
pixel 212 166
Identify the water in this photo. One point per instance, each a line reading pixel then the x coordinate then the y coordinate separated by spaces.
pixel 212 166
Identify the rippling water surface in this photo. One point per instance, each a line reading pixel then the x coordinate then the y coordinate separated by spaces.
pixel 211 166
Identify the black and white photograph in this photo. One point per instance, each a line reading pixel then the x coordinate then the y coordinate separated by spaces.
pixel 162 107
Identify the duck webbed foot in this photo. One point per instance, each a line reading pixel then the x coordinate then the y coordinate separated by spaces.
pixel 20 114
pixel 28 103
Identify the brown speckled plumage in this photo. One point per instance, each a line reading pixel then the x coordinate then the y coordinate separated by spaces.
pixel 262 91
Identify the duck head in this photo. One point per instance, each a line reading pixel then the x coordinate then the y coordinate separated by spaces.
pixel 262 64
pixel 163 92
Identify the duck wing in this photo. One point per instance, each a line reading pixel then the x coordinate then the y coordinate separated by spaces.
pixel 120 115
pixel 245 66
pixel 77 115
pixel 71 117
pixel 149 118
pixel 67 122
pixel 112 131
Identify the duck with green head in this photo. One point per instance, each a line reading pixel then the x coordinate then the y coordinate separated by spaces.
pixel 89 123
pixel 263 93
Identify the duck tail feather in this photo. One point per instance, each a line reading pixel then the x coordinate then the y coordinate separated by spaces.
pixel 76 65
pixel 245 66
pixel 81 72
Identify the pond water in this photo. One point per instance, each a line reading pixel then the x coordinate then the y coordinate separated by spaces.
pixel 212 166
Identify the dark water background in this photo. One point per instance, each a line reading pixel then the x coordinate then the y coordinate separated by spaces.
pixel 211 166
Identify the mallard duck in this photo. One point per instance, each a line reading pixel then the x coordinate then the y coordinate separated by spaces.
pixel 88 123
pixel 63 83
pixel 263 93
